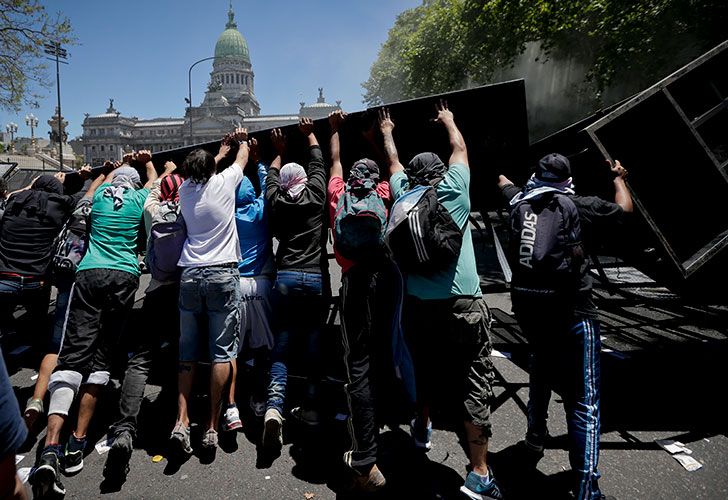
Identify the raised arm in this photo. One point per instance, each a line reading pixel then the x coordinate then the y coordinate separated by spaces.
pixel 622 196
pixel 386 126
pixel 457 143
pixel 224 149
pixel 336 118
pixel 100 179
pixel 241 158
pixel 279 144
pixel 144 156
pixel 305 125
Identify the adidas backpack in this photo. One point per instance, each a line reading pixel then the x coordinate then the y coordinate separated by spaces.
pixel 72 241
pixel 546 250
pixel 421 233
pixel 166 240
pixel 359 222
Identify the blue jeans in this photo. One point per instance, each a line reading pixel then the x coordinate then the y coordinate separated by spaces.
pixel 34 295
pixel 64 286
pixel 298 311
pixel 566 358
pixel 209 314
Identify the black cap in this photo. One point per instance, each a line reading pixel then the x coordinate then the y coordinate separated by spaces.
pixel 553 168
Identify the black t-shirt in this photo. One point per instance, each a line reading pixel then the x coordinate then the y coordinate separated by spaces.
pixel 298 224
pixel 597 217
pixel 26 239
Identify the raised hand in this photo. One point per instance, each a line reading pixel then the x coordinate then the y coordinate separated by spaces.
pixel 85 171
pixel 444 115
pixel 618 169
pixel 254 151
pixel 169 167
pixel 224 149
pixel 336 118
pixel 144 156
pixel 386 125
pixel 240 134
pixel 305 125
pixel 128 157
pixel 61 176
pixel 278 140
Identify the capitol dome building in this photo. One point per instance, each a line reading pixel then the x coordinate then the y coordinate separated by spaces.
pixel 229 101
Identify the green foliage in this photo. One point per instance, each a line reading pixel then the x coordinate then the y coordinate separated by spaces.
pixel 444 45
pixel 24 27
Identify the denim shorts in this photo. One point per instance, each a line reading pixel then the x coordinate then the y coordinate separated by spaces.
pixel 209 307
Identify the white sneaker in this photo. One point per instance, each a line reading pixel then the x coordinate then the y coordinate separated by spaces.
pixel 272 429
pixel 232 419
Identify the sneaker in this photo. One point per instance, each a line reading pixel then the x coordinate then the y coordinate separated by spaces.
pixel 45 477
pixel 258 407
pixel 273 424
pixel 73 459
pixel 117 463
pixel 479 488
pixel 209 441
pixel 369 483
pixel 421 436
pixel 180 438
pixel 308 417
pixel 534 442
pixel 33 409
pixel 232 419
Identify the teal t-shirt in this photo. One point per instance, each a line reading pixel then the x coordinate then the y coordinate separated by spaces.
pixel 114 233
pixel 459 278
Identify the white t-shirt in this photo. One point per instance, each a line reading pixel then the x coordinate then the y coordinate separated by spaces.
pixel 209 212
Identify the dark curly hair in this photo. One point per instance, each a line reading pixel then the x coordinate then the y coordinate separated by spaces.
pixel 199 166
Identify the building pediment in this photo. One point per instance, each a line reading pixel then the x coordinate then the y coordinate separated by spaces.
pixel 209 123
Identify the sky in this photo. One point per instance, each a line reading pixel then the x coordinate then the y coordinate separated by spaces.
pixel 139 52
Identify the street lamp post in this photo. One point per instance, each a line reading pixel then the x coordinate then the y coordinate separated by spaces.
pixel 54 49
pixel 11 128
pixel 189 91
pixel 32 122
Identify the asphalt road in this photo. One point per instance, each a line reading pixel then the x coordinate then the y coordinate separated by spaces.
pixel 663 373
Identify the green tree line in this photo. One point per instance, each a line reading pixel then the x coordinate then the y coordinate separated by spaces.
pixel 445 45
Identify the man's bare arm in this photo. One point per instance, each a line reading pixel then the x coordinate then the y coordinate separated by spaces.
pixel 336 118
pixel 622 196
pixel 386 126
pixel 457 142
pixel 305 125
pixel 279 144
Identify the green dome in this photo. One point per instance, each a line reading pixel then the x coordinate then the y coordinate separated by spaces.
pixel 231 43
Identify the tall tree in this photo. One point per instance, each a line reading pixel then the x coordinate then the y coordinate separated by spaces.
pixel 446 44
pixel 24 27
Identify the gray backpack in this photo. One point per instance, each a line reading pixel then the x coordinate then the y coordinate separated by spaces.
pixel 166 240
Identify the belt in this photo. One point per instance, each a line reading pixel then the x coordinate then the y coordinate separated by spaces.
pixel 21 278
pixel 227 265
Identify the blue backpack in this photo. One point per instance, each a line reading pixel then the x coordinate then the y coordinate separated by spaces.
pixel 359 221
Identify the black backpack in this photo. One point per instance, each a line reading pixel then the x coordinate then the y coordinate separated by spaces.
pixel 546 251
pixel 421 233
pixel 72 242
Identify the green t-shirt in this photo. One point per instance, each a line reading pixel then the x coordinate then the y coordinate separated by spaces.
pixel 459 278
pixel 114 233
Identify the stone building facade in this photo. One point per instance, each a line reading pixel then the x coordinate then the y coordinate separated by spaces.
pixel 229 102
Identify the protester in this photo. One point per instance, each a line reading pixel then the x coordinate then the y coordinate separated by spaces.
pixel 103 294
pixel 28 230
pixel 295 196
pixel 257 272
pixel 63 279
pixel 209 286
pixel 161 324
pixel 358 210
pixel 555 308
pixel 446 320
pixel 12 436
